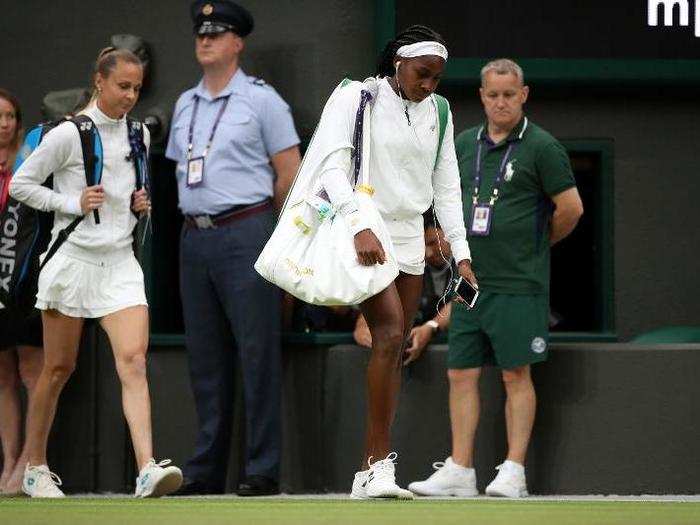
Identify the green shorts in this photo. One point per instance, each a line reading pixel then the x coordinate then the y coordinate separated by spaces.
pixel 505 330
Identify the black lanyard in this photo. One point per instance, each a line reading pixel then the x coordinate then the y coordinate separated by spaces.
pixel 499 178
pixel 213 129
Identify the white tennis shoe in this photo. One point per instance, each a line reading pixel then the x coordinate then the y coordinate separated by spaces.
pixel 359 485
pixel 156 479
pixel 379 481
pixel 509 482
pixel 40 482
pixel 449 479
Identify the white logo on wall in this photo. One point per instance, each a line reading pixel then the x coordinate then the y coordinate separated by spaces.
pixel 538 345
pixel 669 8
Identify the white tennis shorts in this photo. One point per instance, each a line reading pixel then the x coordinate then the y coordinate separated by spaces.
pixel 408 238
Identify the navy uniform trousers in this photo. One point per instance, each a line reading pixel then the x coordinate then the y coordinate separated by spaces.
pixel 231 312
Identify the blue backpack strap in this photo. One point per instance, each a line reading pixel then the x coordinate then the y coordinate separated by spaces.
pixel 92 152
pixel 93 161
pixel 443 111
pixel 31 140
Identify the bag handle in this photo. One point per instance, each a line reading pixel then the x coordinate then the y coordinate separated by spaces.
pixel 358 141
pixel 443 110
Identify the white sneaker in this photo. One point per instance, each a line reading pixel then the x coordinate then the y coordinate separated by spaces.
pixel 155 481
pixel 359 485
pixel 510 481
pixel 449 479
pixel 381 480
pixel 40 482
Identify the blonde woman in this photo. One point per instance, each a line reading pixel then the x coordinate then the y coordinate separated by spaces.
pixel 94 274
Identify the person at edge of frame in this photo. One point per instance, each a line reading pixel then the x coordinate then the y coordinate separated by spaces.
pixel 21 353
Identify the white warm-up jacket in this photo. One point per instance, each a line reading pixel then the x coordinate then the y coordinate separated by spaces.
pixel 405 171
pixel 60 153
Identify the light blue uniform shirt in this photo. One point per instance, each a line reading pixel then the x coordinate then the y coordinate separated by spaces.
pixel 256 125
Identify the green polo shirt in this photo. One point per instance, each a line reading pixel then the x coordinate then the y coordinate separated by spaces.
pixel 514 257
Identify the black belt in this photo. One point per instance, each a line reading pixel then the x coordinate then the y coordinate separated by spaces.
pixel 238 212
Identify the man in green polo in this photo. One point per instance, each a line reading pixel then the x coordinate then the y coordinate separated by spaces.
pixel 519 197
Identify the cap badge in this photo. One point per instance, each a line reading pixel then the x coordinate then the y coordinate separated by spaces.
pixel 207 9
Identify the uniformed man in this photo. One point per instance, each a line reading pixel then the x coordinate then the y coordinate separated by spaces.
pixel 236 149
pixel 519 198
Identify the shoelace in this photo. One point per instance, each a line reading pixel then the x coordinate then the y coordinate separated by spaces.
pixel 162 463
pixel 44 473
pixel 391 458
pixel 384 467
pixel 152 463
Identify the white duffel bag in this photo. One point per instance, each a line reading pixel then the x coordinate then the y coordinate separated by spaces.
pixel 311 253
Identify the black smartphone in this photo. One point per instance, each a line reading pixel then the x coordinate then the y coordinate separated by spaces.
pixel 466 291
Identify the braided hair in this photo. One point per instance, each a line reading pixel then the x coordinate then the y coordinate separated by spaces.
pixel 411 35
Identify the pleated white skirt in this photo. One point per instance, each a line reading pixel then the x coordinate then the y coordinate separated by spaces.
pixel 82 283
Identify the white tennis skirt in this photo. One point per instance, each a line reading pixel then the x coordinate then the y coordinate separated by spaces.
pixel 408 238
pixel 83 283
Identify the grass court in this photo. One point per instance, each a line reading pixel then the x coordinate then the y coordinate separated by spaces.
pixel 301 511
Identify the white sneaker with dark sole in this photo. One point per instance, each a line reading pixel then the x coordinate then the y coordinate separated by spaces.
pixel 449 479
pixel 509 482
pixel 40 482
pixel 157 479
pixel 381 480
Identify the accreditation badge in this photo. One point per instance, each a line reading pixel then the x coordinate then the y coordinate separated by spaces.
pixel 195 171
pixel 480 225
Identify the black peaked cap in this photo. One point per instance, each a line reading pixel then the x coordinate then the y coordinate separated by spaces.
pixel 218 16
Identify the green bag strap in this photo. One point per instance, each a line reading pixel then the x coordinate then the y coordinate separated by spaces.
pixel 443 110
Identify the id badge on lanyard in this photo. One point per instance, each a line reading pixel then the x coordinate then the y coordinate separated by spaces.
pixel 482 214
pixel 480 224
pixel 195 165
pixel 195 171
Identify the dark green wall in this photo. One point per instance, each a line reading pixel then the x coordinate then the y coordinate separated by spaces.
pixel 600 427
pixel 303 47
pixel 657 217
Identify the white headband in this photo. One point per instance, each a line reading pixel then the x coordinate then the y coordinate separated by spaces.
pixel 420 49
